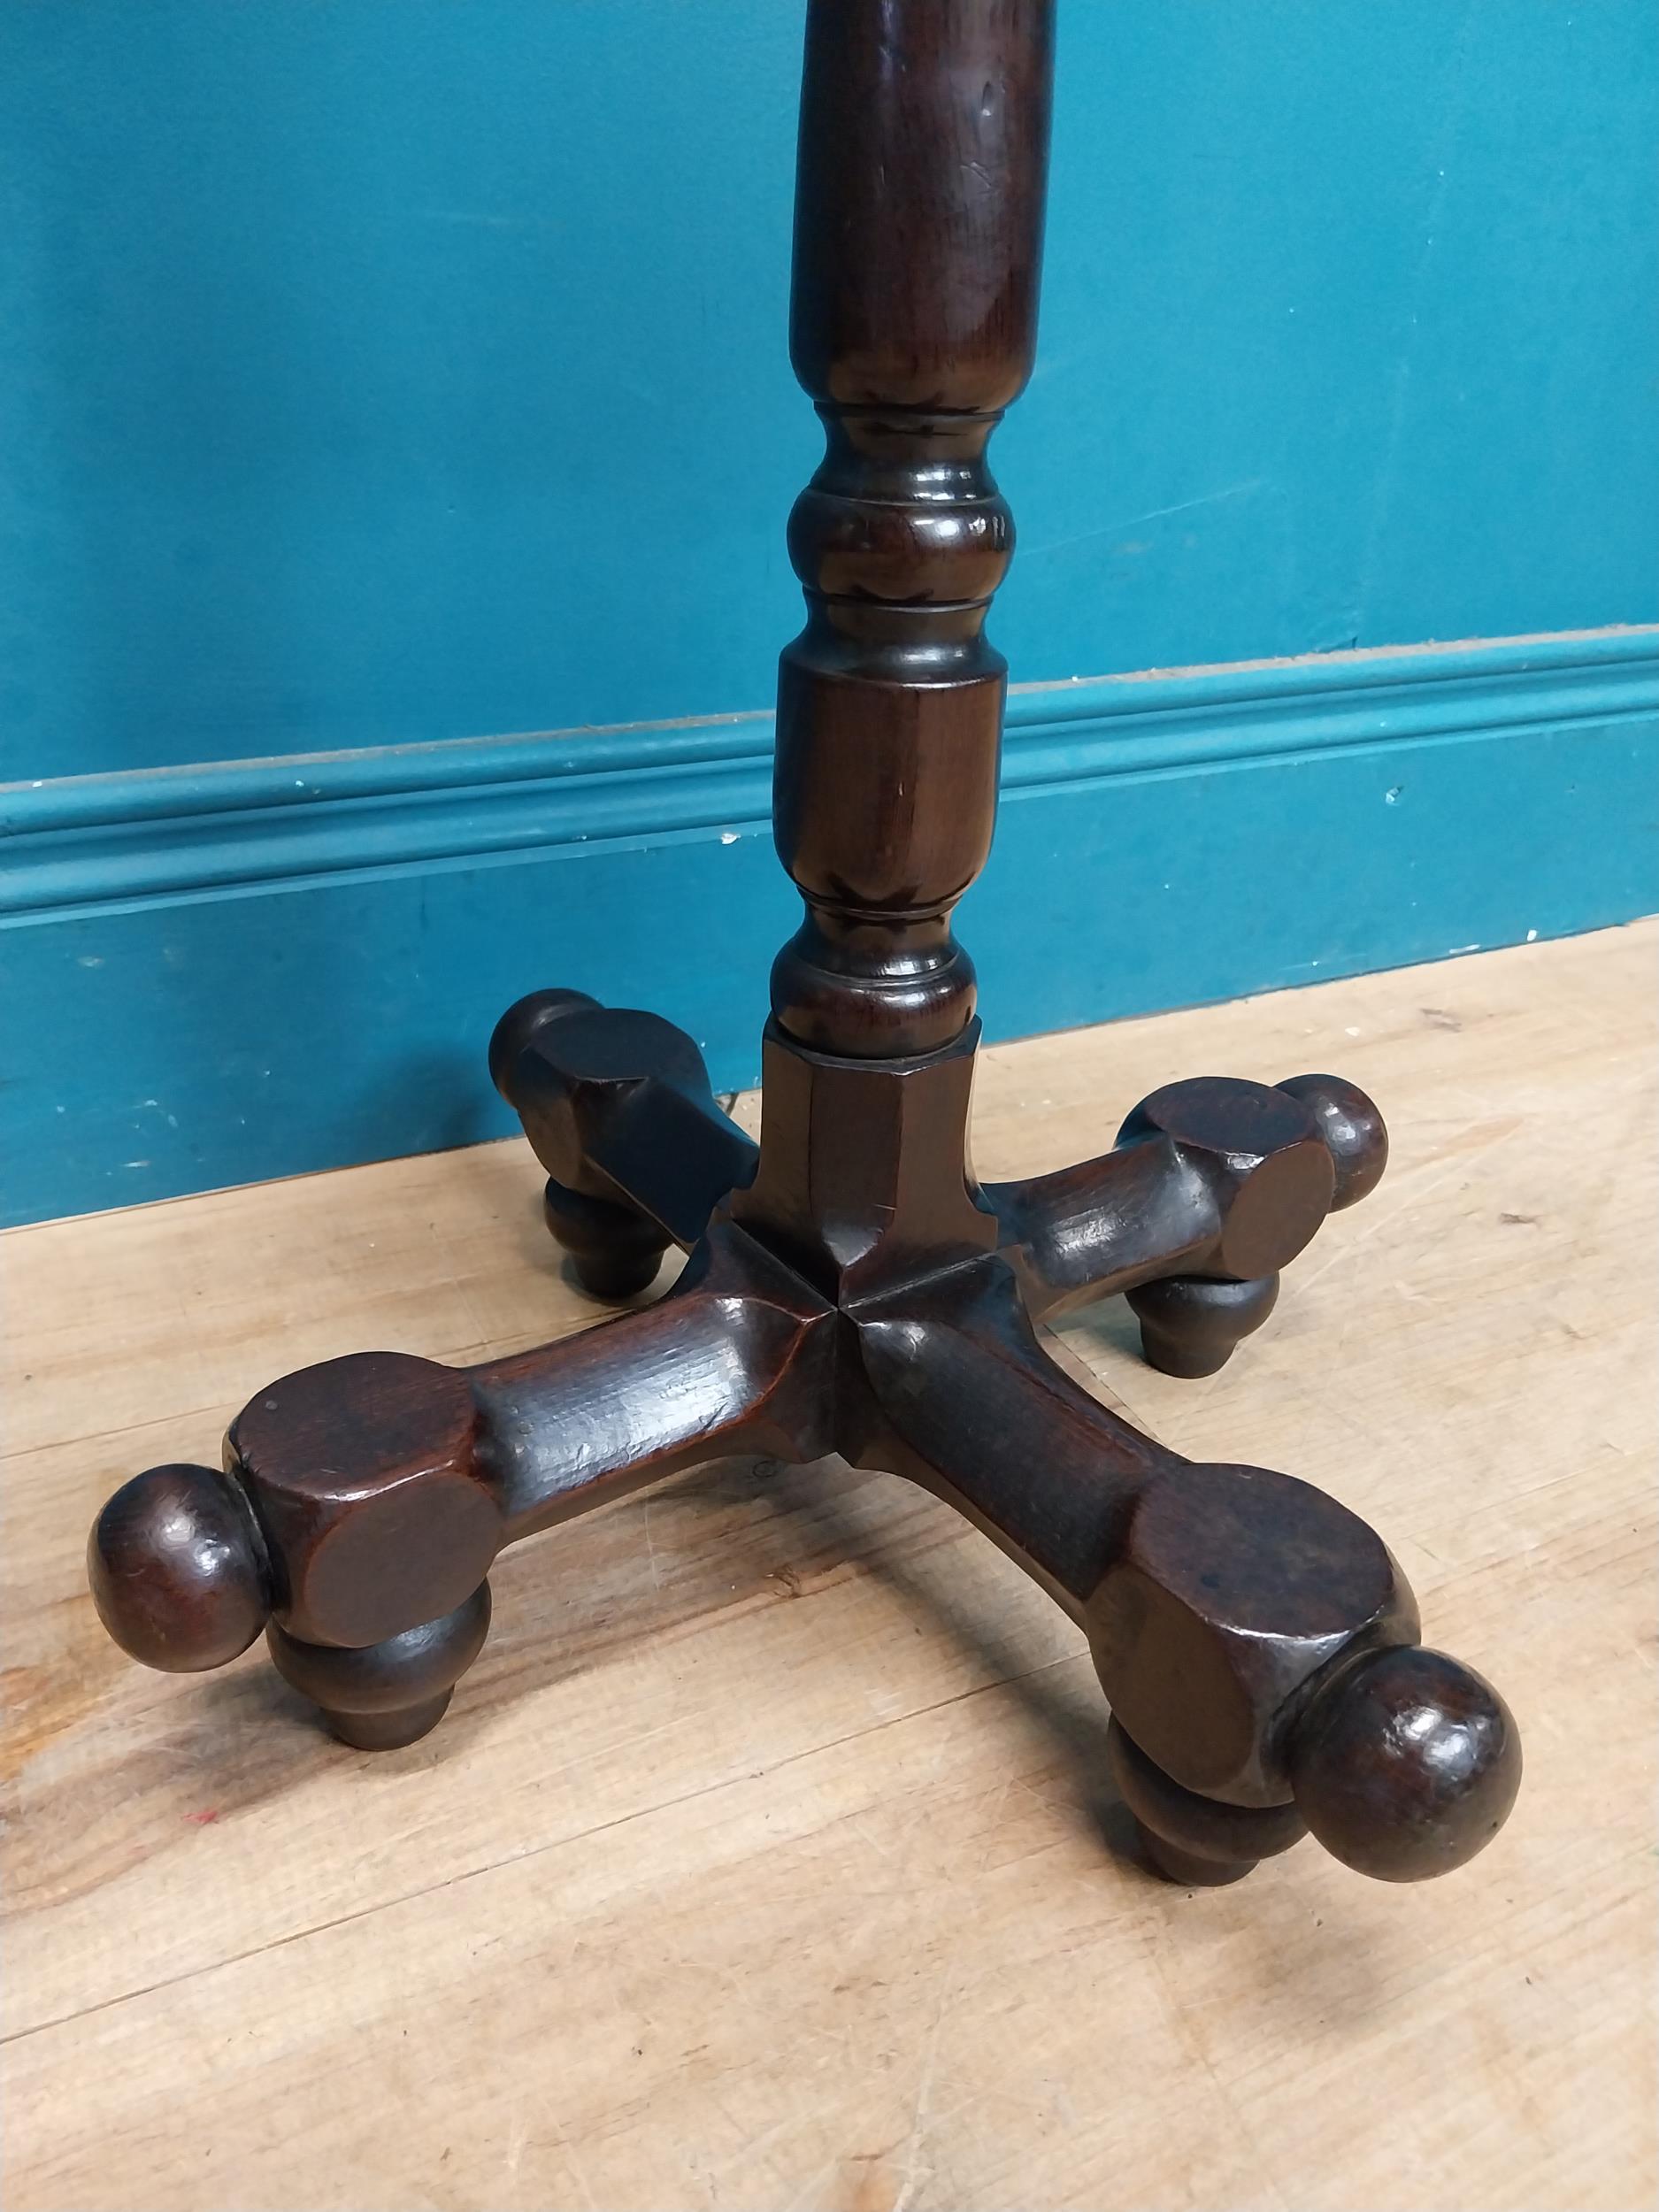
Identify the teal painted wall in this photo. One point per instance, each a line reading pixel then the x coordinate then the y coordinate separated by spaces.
pixel 211 975
pixel 382 371
pixel 379 376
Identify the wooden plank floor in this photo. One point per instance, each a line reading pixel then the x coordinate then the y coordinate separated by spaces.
pixel 768 1857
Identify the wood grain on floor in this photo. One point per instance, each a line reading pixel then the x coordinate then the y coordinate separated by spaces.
pixel 767 1856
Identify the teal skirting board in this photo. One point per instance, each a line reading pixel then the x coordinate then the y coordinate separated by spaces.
pixel 219 973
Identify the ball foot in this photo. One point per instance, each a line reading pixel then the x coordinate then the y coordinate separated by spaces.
pixel 1353 1130
pixel 520 1026
pixel 178 1569
pixel 1406 1763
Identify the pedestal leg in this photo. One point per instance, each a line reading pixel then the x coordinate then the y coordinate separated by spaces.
pixel 618 1107
pixel 364 1500
pixel 1255 1640
pixel 1214 1186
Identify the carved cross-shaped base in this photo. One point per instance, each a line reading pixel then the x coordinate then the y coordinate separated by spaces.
pixel 852 1289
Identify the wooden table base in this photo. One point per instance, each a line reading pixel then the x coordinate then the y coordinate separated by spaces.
pixel 851 1288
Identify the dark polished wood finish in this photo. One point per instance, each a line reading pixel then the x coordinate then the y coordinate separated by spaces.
pixel 850 1286
pixel 917 241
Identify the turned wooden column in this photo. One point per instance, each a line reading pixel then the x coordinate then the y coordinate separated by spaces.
pixel 917 241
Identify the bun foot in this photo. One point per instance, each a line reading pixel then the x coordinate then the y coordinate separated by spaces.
pixel 389 1731
pixel 615 1252
pixel 1196 1841
pixel 1186 1868
pixel 379 1697
pixel 1190 1326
